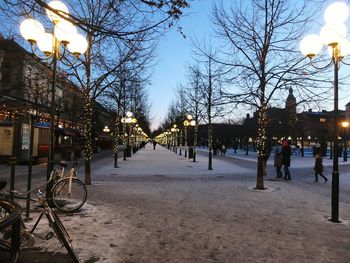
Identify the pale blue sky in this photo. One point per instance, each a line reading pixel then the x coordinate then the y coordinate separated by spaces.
pixel 173 53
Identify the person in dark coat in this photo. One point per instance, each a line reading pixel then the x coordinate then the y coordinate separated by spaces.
pixel 286 154
pixel 278 163
pixel 319 168
pixel 154 144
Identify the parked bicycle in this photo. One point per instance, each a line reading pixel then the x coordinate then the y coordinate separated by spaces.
pixel 67 193
pixel 27 236
pixel 10 217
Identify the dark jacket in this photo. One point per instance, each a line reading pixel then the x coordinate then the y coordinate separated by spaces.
pixel 318 164
pixel 286 153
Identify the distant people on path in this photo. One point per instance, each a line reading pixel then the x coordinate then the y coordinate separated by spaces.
pixel 154 144
pixel 223 149
pixel 278 163
pixel 319 168
pixel 286 153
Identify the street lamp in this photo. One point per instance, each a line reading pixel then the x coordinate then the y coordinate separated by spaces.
pixel 54 45
pixel 106 129
pixel 333 35
pixel 345 125
pixel 127 120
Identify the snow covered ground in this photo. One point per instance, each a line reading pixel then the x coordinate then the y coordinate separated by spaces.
pixel 161 207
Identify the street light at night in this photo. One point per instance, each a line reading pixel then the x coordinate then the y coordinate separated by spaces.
pixel 127 121
pixel 54 45
pixel 332 35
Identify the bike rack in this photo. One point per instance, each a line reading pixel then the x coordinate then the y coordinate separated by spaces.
pixel 13 219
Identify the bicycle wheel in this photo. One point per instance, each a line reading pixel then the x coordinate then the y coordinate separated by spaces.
pixel 69 202
pixel 62 234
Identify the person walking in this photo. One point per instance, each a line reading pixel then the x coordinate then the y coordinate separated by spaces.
pixel 223 149
pixel 286 154
pixel 154 144
pixel 319 168
pixel 278 163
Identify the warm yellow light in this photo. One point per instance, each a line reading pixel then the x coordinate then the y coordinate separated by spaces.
pixel 31 30
pixel 186 123
pixel 331 34
pixel 345 124
pixel 45 43
pixel 337 12
pixel 61 8
pixel 189 117
pixel 310 45
pixel 65 31
pixel 134 120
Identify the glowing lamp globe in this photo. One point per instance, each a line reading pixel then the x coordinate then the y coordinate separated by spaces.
pixel 337 12
pixel 65 32
pixel 78 45
pixel 129 114
pixel 61 8
pixel 311 45
pixel 31 30
pixel 344 48
pixel 331 34
pixel 186 123
pixel 45 43
pixel 189 117
pixel 192 122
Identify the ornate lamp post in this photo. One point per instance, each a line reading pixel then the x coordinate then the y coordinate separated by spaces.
pixel 192 124
pixel 333 35
pixel 127 120
pixel 54 45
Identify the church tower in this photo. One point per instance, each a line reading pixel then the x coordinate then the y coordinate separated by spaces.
pixel 291 112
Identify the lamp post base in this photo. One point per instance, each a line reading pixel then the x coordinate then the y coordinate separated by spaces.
pixel 335 198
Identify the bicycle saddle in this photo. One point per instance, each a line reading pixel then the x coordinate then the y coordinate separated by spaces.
pixel 2 184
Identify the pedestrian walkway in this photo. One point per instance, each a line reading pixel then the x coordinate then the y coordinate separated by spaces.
pixel 163 162
pixel 161 207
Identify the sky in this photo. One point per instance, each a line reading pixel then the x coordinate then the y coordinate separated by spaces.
pixel 174 52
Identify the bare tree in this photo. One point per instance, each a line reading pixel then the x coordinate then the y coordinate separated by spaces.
pixel 260 41
pixel 193 96
pixel 210 75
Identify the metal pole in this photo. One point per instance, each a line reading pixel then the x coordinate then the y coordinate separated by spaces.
pixel 345 153
pixel 13 159
pixel 185 141
pixel 335 173
pixel 30 166
pixel 52 114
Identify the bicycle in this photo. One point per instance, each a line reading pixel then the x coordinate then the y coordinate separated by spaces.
pixel 10 216
pixel 67 193
pixel 27 236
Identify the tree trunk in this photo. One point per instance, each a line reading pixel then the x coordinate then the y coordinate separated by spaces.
pixel 260 174
pixel 88 116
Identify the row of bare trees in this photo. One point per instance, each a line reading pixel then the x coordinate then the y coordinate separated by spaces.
pixel 122 36
pixel 254 60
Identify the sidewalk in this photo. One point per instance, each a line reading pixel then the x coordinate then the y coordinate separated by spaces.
pixel 160 207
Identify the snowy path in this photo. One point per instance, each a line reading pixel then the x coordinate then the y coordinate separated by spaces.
pixel 160 207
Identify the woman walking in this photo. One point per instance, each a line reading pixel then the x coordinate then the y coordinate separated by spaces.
pixel 319 168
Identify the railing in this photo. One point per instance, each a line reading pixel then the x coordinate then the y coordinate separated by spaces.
pixel 10 215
